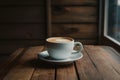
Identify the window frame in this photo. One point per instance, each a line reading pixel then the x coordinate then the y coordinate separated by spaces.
pixel 106 24
pixel 104 39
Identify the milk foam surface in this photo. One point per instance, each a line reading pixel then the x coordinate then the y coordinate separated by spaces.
pixel 59 40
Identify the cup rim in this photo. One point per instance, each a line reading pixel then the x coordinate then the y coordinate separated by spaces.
pixel 71 39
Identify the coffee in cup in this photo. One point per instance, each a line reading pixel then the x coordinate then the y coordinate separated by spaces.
pixel 61 47
pixel 59 40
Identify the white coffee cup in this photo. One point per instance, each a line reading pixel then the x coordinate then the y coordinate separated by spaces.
pixel 62 47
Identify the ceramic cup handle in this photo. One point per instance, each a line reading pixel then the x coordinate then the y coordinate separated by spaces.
pixel 80 47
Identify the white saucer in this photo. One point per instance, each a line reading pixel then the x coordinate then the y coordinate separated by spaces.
pixel 45 57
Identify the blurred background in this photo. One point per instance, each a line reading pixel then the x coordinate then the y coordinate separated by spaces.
pixel 24 22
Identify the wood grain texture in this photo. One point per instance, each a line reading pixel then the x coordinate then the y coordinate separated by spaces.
pixel 74 2
pixel 66 73
pixel 74 14
pixel 22 2
pixel 86 68
pixel 112 52
pixel 24 66
pixel 9 46
pixel 7 64
pixel 8 49
pixel 108 42
pixel 22 23
pixel 98 63
pixel 44 71
pixel 21 14
pixel 104 62
pixel 3 58
pixel 113 57
pixel 75 30
pixel 49 19
pixel 22 31
pixel 87 41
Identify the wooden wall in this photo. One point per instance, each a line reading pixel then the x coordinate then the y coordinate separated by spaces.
pixel 23 22
pixel 75 18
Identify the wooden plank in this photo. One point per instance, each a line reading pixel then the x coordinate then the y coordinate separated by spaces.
pixel 9 46
pixel 66 73
pixel 75 30
pixel 22 31
pixel 22 14
pixel 44 71
pixel 108 42
pixel 112 52
pixel 49 19
pixel 113 57
pixel 74 2
pixel 7 64
pixel 21 42
pixel 106 64
pixel 3 58
pixel 86 68
pixel 24 66
pixel 87 41
pixel 74 14
pixel 22 2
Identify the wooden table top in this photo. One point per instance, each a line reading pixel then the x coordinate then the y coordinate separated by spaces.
pixel 98 63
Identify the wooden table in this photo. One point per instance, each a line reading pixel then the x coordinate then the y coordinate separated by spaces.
pixel 98 63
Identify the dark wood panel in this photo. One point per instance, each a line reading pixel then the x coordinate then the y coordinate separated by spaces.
pixel 22 14
pixel 22 2
pixel 74 2
pixel 9 46
pixel 48 18
pixel 3 58
pixel 22 31
pixel 8 49
pixel 75 30
pixel 22 42
pixel 74 14
pixel 87 41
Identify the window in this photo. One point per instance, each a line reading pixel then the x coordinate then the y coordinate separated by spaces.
pixel 112 20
